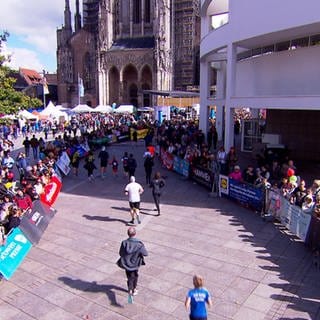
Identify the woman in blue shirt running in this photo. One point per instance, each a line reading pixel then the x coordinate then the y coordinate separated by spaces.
pixel 197 299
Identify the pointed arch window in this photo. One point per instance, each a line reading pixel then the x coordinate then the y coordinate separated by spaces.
pixel 136 11
pixel 147 11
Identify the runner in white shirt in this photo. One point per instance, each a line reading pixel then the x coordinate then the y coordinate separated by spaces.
pixel 134 190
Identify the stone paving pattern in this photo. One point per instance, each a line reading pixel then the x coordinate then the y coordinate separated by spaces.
pixel 254 269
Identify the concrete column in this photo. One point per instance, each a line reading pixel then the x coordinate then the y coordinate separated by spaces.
pixel 204 94
pixel 220 95
pixel 229 129
pixel 219 121
pixel 230 88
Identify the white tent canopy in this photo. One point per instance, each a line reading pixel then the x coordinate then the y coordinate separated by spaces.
pixel 103 109
pixel 82 108
pixel 27 115
pixel 49 109
pixel 54 112
pixel 124 108
pixel 145 109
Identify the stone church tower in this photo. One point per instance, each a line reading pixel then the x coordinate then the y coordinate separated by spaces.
pixel 76 59
pixel 134 50
pixel 126 47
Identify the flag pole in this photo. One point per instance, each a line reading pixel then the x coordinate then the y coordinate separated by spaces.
pixel 79 88
pixel 43 89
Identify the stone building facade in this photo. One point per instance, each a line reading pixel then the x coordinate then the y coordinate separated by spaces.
pixel 126 47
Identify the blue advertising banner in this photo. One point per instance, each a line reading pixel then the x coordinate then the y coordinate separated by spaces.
pixel 13 253
pixel 181 166
pixel 246 194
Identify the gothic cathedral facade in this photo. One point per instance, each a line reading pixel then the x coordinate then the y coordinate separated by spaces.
pixel 127 47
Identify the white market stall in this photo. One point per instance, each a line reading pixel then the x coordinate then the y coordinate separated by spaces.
pixel 26 115
pixel 125 109
pixel 103 109
pixel 82 108
pixel 54 112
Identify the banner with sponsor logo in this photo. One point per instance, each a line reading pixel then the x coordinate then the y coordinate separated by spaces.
pixel 51 191
pixel 13 252
pixel 246 194
pixel 223 185
pixel 202 175
pixel 292 217
pixel 181 166
pixel 166 159
pixel 35 222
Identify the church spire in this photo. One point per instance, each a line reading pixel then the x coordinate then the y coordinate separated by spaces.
pixel 67 16
pixel 77 18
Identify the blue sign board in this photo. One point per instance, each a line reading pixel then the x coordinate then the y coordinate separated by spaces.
pixel 246 194
pixel 181 166
pixel 13 253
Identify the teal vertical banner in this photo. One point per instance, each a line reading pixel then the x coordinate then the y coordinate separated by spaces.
pixel 160 116
pixel 13 253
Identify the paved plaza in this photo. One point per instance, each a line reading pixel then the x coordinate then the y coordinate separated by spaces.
pixel 253 268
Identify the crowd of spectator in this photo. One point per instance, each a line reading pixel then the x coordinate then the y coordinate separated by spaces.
pixel 180 137
pixel 186 140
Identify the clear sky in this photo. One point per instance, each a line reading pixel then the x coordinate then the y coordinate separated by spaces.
pixel 32 25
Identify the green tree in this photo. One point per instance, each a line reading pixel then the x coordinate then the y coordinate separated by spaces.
pixel 11 101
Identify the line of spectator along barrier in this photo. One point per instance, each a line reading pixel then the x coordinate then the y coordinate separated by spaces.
pixel 34 222
pixel 264 201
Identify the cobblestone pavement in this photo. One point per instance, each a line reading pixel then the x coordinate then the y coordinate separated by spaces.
pixel 254 269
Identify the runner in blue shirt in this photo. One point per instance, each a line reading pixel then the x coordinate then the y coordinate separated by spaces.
pixel 197 299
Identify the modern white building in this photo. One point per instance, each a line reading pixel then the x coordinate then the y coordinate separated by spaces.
pixel 263 55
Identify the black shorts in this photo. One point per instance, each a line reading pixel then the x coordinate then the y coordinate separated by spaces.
pixel 134 205
pixel 103 164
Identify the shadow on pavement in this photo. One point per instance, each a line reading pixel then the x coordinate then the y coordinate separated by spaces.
pixel 87 286
pixel 286 258
pixel 106 219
